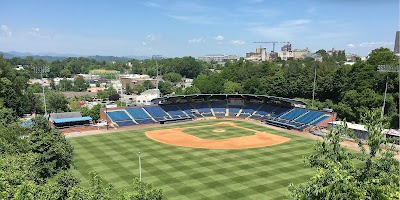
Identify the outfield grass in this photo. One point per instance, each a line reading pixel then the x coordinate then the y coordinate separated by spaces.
pixel 188 173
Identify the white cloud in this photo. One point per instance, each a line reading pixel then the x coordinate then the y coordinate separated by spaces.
pixel 238 42
pixel 376 44
pixel 194 19
pixel 196 40
pixel 351 45
pixel 5 31
pixel 312 10
pixel 144 43
pixel 219 38
pixel 152 37
pixel 286 30
pixel 296 22
pixel 152 4
pixel 36 29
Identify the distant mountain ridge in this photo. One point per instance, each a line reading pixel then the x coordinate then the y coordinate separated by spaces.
pixel 54 56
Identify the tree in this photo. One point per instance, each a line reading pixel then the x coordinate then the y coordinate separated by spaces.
pixel 55 153
pixel 382 56
pixel 375 176
pixel 138 89
pixel 80 84
pixel 65 85
pixel 192 90
pixel 56 102
pixel 148 85
pixel 165 87
pixel 128 89
pixel 172 77
pixel 7 116
pixel 65 73
pixel 94 113
pixel 231 87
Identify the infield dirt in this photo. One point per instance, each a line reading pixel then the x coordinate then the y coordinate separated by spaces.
pixel 177 137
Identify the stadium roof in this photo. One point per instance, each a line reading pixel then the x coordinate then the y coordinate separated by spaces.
pixel 244 96
pixel 75 119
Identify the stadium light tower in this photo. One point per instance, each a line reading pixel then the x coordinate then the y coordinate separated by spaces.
pixel 390 69
pixel 140 169
pixel 157 57
pixel 41 70
pixel 316 57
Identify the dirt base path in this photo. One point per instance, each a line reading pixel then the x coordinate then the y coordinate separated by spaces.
pixel 177 137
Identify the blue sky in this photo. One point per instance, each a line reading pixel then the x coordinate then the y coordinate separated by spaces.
pixel 194 28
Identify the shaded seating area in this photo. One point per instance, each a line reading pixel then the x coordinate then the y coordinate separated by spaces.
pixel 234 110
pixel 69 120
pixel 187 108
pixel 249 108
pixel 219 107
pixel 174 111
pixel 203 108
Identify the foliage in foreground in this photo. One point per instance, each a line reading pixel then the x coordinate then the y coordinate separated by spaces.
pixel 35 163
pixel 342 174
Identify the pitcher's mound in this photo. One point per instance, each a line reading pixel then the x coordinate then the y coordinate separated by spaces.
pixel 218 130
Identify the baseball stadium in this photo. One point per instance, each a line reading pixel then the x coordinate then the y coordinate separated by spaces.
pixel 204 146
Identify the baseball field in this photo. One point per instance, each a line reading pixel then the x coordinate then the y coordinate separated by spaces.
pixel 213 159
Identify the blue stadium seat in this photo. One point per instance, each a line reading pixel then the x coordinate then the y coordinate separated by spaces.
pixel 280 111
pixel 234 110
pixel 144 121
pixel 309 117
pixel 316 122
pixel 219 107
pixel 266 109
pixel 173 110
pixel 203 108
pixel 125 123
pixel 137 113
pixel 120 118
pixel 187 108
pixel 118 115
pixel 293 114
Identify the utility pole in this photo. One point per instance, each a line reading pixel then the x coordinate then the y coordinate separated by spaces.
pixel 41 69
pixel 390 69
pixel 157 57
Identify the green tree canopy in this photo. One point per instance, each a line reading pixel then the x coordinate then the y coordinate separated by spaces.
pixel 342 174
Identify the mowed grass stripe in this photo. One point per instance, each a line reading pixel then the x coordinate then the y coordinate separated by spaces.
pixel 187 173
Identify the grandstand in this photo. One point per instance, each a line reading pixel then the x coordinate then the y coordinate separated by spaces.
pixel 276 111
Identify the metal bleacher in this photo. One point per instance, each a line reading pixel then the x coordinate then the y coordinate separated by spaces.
pixel 140 116
pixel 157 113
pixel 121 118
